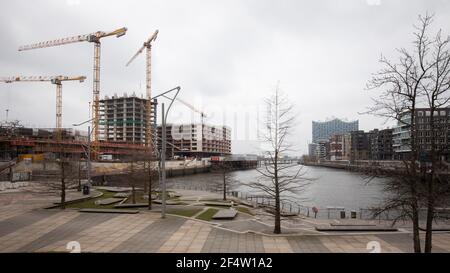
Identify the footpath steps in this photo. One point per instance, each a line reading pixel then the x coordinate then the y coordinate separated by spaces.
pixel 225 214
pixel 122 211
pixel 350 227
pixel 136 205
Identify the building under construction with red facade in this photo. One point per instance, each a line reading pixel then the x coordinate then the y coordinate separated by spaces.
pixel 122 134
pixel 17 141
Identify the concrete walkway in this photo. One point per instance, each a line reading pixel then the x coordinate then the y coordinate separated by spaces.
pixel 24 227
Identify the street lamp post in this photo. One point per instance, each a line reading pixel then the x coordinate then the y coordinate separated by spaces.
pixel 163 162
pixel 89 157
pixel 88 153
pixel 164 114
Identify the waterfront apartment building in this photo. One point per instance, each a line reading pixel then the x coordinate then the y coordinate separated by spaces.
pixel 124 119
pixel 323 150
pixel 196 140
pixel 359 145
pixel 312 150
pixel 422 117
pixel 346 146
pixel 381 144
pixel 323 130
pixel 401 137
pixel 336 147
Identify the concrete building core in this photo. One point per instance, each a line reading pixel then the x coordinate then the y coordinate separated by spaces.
pixel 196 140
pixel 124 119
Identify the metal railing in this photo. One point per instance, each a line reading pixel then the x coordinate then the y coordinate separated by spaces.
pixel 291 207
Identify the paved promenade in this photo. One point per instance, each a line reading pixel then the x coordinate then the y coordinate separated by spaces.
pixel 26 227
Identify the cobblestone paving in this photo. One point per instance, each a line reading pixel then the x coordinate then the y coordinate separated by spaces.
pixel 151 238
pixel 7 211
pixel 51 230
pixel 190 237
pixel 25 235
pixel 68 231
pixel 107 235
pixel 16 203
pixel 19 220
pixel 223 241
pixel 307 244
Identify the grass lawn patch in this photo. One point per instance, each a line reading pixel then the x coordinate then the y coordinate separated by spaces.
pixel 208 214
pixel 218 206
pixel 244 210
pixel 90 204
pixel 184 212
pixel 139 198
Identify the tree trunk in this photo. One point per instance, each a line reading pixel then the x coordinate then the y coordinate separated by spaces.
pixel 145 182
pixel 224 186
pixel 416 236
pixel 277 228
pixel 79 175
pixel 63 188
pixel 430 184
pixel 414 174
pixel 430 217
pixel 149 186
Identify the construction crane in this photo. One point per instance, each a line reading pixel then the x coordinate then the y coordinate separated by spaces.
pixel 202 115
pixel 91 38
pixel 57 80
pixel 148 45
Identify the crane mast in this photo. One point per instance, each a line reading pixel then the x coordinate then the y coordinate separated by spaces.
pixel 91 38
pixel 148 86
pixel 96 95
pixel 56 80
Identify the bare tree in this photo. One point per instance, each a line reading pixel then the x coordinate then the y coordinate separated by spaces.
pixel 278 179
pixel 436 88
pixel 134 173
pixel 67 179
pixel 152 157
pixel 418 74
pixel 138 174
pixel 227 182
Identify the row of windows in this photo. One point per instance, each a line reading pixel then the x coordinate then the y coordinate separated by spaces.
pixel 428 140
pixel 436 120
pixel 441 113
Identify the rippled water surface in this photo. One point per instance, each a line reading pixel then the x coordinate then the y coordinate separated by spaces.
pixel 331 187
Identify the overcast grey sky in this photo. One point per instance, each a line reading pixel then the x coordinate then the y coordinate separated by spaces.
pixel 226 55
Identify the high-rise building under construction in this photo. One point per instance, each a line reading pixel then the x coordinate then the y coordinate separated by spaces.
pixel 124 119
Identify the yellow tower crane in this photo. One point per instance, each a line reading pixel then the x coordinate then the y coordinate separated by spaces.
pixel 91 38
pixel 148 45
pixel 57 80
